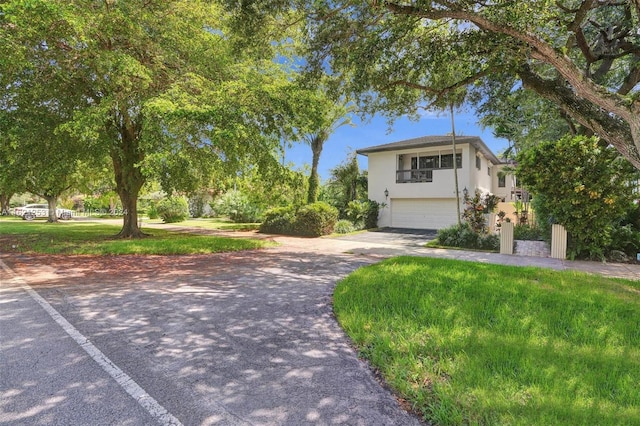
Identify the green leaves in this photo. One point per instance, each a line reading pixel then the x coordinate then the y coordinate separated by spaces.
pixel 159 86
pixel 395 57
pixel 580 184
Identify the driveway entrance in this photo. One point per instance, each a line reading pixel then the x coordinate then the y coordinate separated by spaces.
pixel 237 338
pixel 393 236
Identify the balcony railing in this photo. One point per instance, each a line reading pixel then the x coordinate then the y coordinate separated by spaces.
pixel 414 175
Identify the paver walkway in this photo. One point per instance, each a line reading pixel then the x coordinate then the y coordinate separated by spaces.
pixel 532 248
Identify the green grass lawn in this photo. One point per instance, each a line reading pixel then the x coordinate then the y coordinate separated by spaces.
pixel 18 236
pixel 470 343
pixel 213 223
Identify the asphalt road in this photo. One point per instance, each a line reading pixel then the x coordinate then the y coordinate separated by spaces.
pixel 245 338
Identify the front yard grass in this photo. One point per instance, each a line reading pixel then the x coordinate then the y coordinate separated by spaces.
pixel 18 236
pixel 470 343
pixel 220 223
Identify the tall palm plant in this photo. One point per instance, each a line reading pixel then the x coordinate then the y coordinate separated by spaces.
pixel 328 118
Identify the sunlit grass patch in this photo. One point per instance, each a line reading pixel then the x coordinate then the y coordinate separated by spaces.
pixel 94 238
pixel 214 223
pixel 491 344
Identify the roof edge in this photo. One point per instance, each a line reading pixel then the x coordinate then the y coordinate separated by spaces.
pixel 432 141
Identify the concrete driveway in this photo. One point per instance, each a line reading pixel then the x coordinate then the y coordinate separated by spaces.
pixel 393 236
pixel 244 338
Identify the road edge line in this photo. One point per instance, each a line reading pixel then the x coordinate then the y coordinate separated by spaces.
pixel 125 381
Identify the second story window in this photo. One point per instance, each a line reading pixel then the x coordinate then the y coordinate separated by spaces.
pixel 446 161
pixel 420 168
pixel 502 181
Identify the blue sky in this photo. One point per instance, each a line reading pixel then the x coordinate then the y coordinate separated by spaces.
pixel 376 132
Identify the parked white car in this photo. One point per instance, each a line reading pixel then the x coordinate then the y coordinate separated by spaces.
pixel 32 211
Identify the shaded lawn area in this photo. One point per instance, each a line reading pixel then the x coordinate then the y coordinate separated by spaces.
pixel 470 343
pixel 220 223
pixel 18 236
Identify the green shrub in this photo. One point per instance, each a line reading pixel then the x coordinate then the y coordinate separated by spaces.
pixel 314 220
pixel 237 207
pixel 344 226
pixel 583 186
pixel 527 232
pixel 371 215
pixel 199 204
pixel 463 236
pixel 279 220
pixel 91 204
pixel 626 239
pixel 152 212
pixel 173 209
pixel 363 214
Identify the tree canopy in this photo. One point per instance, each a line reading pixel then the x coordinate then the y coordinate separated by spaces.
pixel 159 86
pixel 322 117
pixel 397 56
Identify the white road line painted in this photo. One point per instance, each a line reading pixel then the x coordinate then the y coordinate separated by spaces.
pixel 145 400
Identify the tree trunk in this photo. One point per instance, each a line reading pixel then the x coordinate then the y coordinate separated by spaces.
pixel 130 228
pixel 52 202
pixel 126 157
pixel 4 203
pixel 455 165
pixel 314 181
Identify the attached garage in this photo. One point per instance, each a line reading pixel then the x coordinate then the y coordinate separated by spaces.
pixel 423 213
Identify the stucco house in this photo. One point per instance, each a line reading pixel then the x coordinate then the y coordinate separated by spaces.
pixel 414 178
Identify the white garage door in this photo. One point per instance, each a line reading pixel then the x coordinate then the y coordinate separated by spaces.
pixel 423 213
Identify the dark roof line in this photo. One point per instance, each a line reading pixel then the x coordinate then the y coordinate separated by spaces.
pixel 432 141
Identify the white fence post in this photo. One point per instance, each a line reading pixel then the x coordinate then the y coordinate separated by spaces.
pixel 558 242
pixel 506 238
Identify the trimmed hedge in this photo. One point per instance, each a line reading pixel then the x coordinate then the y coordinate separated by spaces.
pixel 316 219
pixel 312 220
pixel 279 220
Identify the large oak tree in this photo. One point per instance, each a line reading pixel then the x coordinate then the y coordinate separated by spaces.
pixel 396 56
pixel 162 87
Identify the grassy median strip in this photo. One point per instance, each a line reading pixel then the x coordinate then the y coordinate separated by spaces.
pixel 469 343
pixel 98 239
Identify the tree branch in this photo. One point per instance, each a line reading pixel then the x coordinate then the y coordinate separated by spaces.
pixel 411 85
pixel 540 50
pixel 581 15
pixel 439 92
pixel 614 130
pixel 631 81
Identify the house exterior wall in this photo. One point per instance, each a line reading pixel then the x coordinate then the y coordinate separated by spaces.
pixel 433 196
pixel 481 179
pixel 382 176
pixel 505 192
